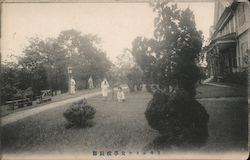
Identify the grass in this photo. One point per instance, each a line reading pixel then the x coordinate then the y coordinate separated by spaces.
pixel 228 125
pixel 121 126
pixel 207 91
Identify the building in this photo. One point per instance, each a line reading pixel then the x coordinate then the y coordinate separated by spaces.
pixel 228 49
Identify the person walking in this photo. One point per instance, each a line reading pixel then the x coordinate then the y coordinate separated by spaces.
pixel 105 87
pixel 72 86
pixel 90 82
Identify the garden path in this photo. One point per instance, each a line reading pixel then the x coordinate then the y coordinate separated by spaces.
pixel 25 113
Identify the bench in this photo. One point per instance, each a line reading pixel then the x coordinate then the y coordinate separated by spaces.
pixel 18 103
pixel 45 96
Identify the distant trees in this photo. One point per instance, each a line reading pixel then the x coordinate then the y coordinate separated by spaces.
pixel 43 65
pixel 143 51
pixel 131 72
pixel 84 56
pixel 115 76
pixel 45 61
pixel 8 81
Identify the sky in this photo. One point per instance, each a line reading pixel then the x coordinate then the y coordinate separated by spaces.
pixel 117 24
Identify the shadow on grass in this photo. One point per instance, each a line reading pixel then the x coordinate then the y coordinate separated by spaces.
pixel 88 124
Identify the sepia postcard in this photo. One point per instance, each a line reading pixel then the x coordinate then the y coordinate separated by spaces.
pixel 124 79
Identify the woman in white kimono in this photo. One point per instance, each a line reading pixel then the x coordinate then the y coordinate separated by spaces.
pixel 90 82
pixel 105 87
pixel 72 86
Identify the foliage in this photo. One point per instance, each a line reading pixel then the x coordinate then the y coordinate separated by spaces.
pixel 170 58
pixel 178 117
pixel 44 65
pixel 84 56
pixel 45 61
pixel 79 113
pixel 14 83
pixel 143 52
pixel 203 71
pixel 8 82
pixel 169 61
pixel 114 76
pixel 134 79
pixel 131 72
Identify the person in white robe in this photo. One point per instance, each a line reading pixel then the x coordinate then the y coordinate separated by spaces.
pixel 90 82
pixel 72 86
pixel 105 87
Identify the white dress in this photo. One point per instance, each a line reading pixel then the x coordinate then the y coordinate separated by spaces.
pixel 72 86
pixel 90 81
pixel 104 88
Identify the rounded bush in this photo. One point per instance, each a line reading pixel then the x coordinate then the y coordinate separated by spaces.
pixel 79 113
pixel 178 117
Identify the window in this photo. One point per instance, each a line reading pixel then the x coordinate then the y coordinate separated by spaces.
pixel 242 17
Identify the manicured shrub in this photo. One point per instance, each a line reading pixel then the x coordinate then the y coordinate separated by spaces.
pixel 178 117
pixel 79 113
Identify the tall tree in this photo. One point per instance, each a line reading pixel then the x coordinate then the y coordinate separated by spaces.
pixel 170 58
pixel 178 117
pixel 84 56
pixel 180 45
pixel 44 65
pixel 144 52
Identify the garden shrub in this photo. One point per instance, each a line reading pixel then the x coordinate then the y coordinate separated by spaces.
pixel 178 117
pixel 79 113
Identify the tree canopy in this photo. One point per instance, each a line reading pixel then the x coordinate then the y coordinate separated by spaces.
pixel 173 111
pixel 130 71
pixel 169 59
pixel 45 62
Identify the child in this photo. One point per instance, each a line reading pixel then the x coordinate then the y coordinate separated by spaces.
pixel 120 95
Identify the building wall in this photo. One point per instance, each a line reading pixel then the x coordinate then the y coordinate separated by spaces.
pixel 242 31
pixel 229 27
pixel 238 23
pixel 219 8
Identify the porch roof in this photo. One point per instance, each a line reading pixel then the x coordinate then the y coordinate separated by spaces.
pixel 223 42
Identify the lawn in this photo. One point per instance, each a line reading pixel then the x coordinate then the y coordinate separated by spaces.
pixel 207 91
pixel 228 125
pixel 122 127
